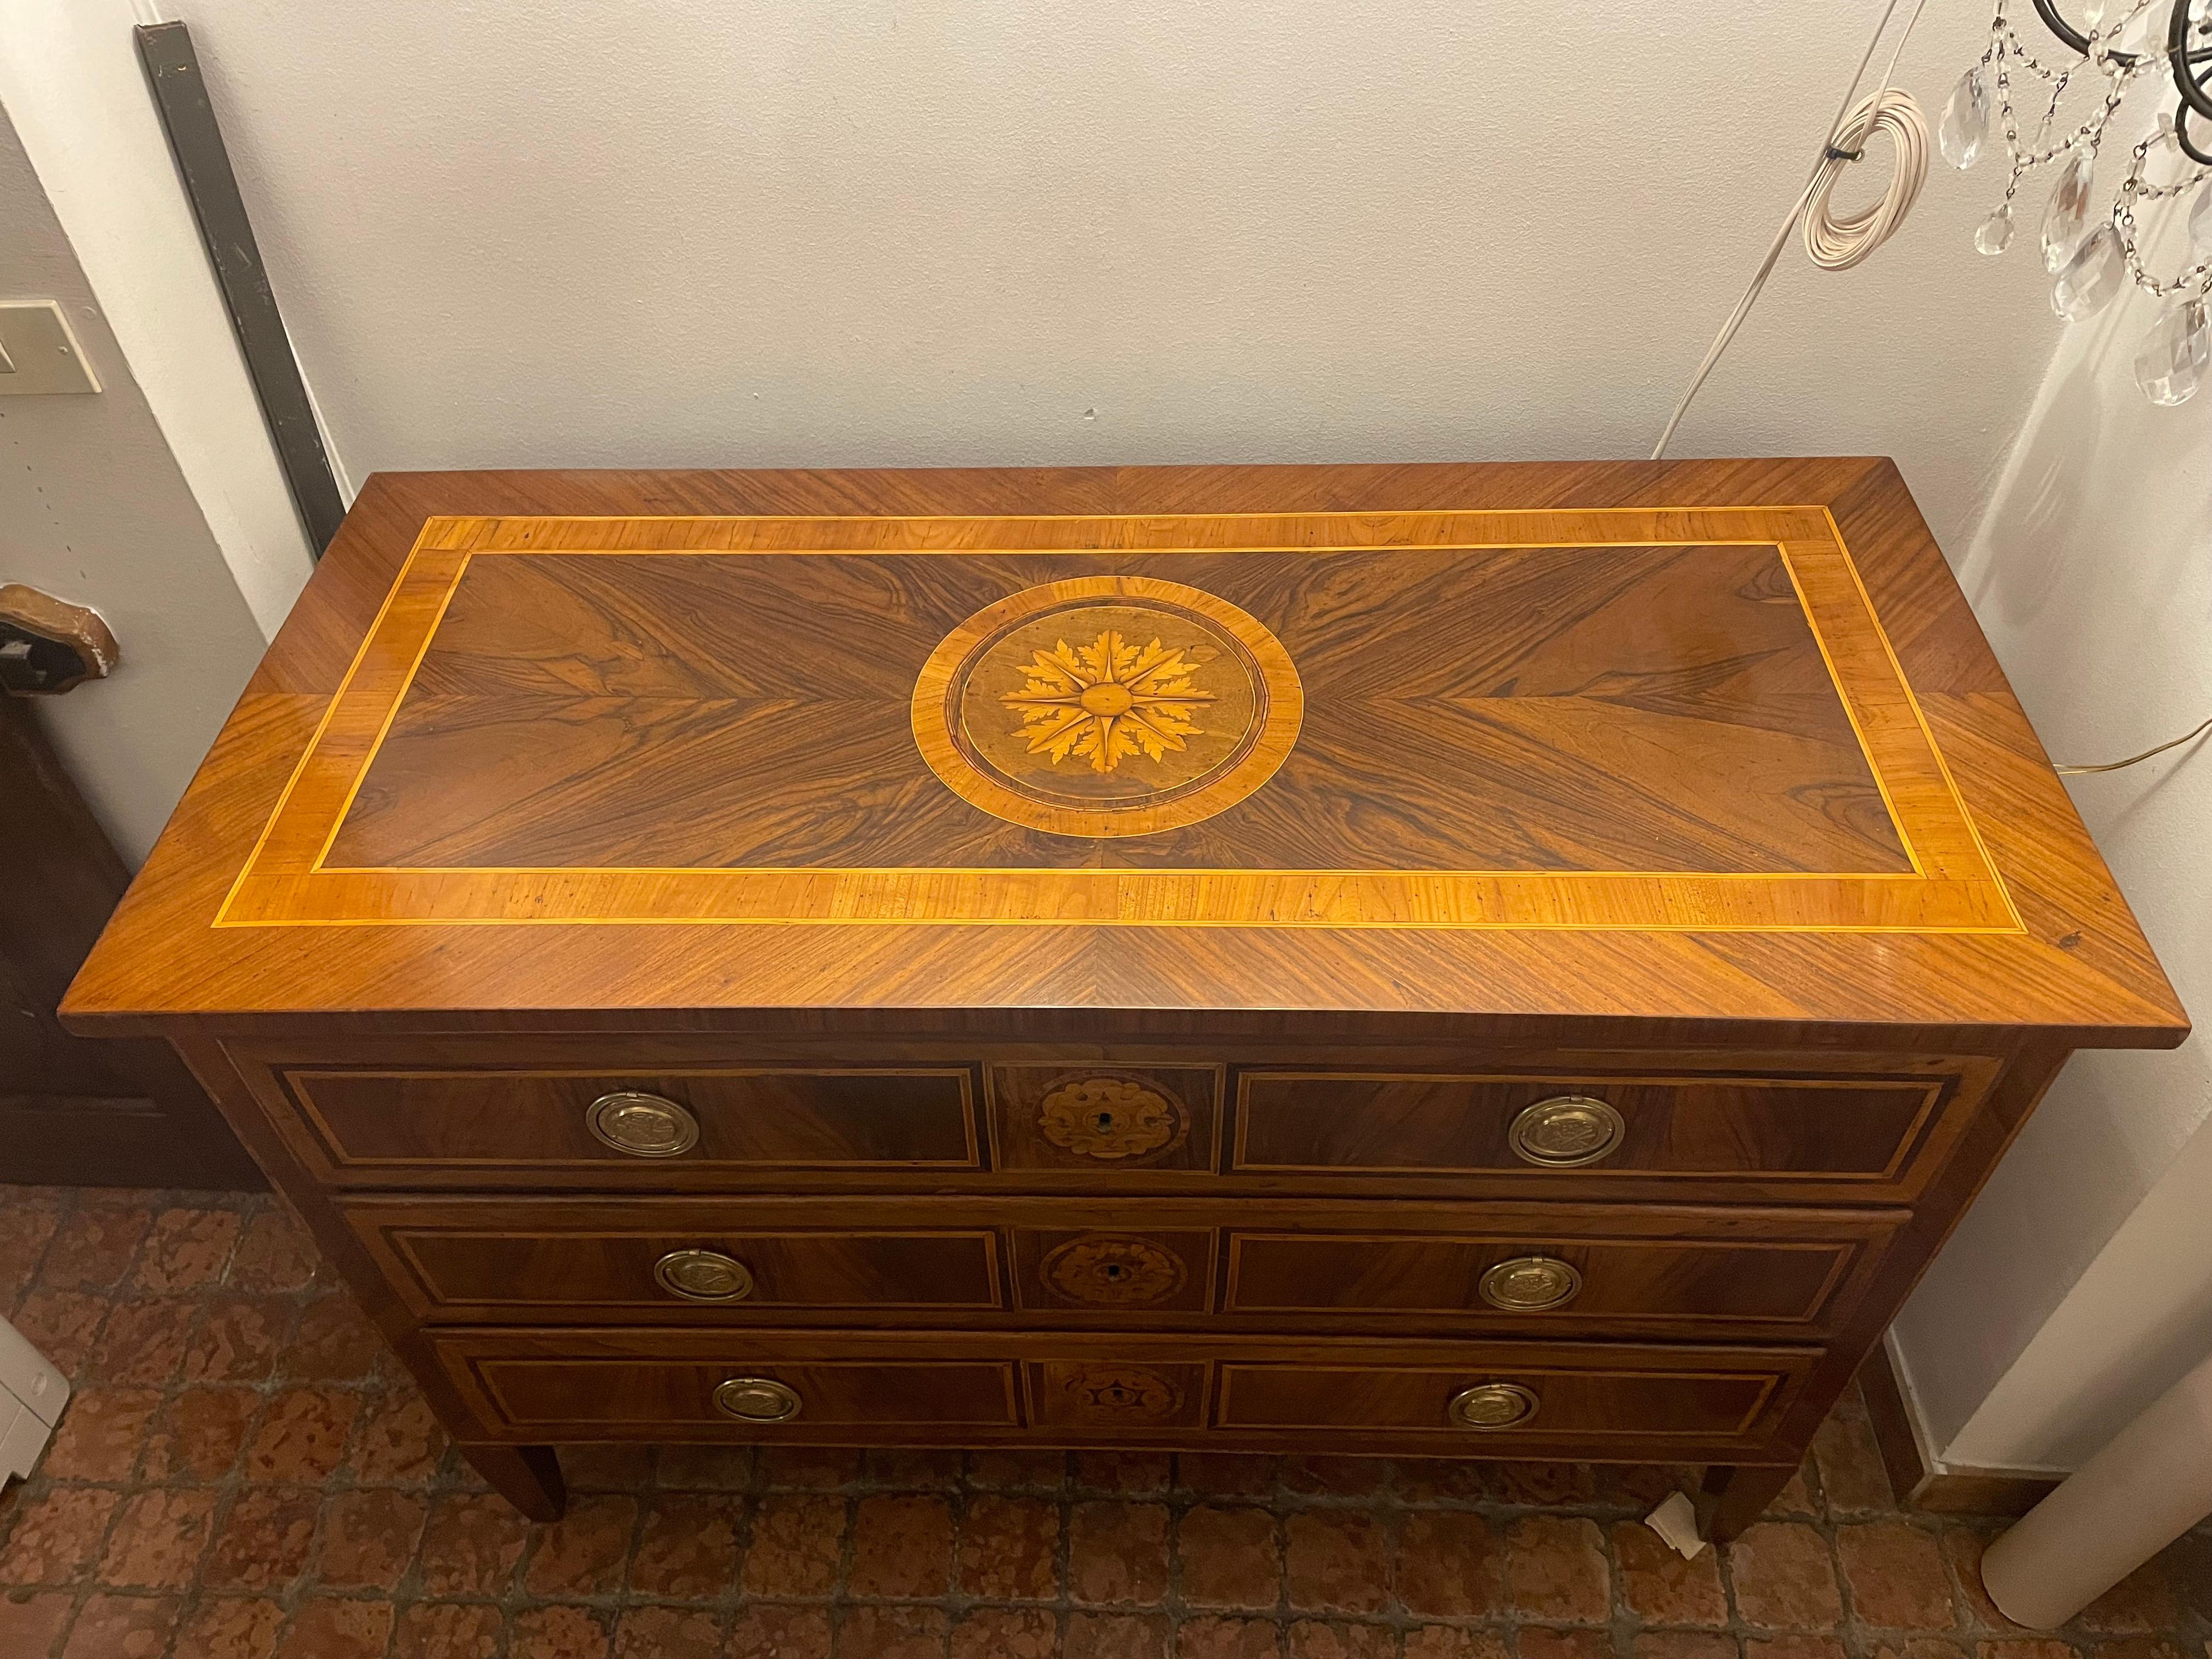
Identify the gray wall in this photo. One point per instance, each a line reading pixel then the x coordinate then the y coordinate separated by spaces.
pixel 94 509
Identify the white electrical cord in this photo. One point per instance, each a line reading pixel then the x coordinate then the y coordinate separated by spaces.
pixel 1833 240
pixel 1837 242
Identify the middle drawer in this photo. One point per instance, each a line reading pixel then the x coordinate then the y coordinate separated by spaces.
pixel 1654 1270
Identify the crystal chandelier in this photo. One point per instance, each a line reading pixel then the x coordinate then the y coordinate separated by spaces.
pixel 2127 43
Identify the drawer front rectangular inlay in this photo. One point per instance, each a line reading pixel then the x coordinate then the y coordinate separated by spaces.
pixel 487 1270
pixel 1704 1128
pixel 561 1397
pixel 367 1122
pixel 1566 1278
pixel 1592 1405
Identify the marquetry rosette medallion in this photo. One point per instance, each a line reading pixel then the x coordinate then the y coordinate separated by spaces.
pixel 1118 1394
pixel 1113 1270
pixel 1111 1119
pixel 1107 706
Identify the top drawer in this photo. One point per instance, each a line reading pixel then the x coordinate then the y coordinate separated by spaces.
pixel 1581 1128
pixel 369 1126
pixel 1877 1134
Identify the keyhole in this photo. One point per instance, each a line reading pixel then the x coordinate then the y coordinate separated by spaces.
pixel 1120 1395
pixel 1115 1270
pixel 1103 1120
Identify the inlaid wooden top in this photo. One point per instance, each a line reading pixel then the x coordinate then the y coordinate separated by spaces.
pixel 1715 741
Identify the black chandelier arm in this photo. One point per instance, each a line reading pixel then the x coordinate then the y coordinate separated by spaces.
pixel 2070 37
pixel 2195 100
pixel 2190 147
pixel 2191 86
pixel 2176 48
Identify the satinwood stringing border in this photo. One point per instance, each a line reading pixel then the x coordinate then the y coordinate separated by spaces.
pixel 1952 887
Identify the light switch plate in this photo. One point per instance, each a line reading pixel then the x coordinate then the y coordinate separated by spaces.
pixel 38 352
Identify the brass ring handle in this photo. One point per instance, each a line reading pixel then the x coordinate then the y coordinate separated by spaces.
pixel 641 1125
pixel 1488 1407
pixel 1530 1284
pixel 703 1276
pixel 1565 1131
pixel 757 1400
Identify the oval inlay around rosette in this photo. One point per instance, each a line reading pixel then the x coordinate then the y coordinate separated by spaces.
pixel 1108 706
pixel 1113 1270
pixel 1121 1393
pixel 1110 1119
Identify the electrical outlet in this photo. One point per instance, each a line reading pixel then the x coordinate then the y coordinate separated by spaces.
pixel 38 352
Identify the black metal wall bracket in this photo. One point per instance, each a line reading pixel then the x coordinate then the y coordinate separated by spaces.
pixel 173 69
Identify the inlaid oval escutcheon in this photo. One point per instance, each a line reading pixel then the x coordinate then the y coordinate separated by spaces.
pixel 1488 1406
pixel 1113 1270
pixel 703 1276
pixel 643 1126
pixel 1566 1130
pixel 757 1400
pixel 1122 1394
pixel 1111 1118
pixel 1530 1284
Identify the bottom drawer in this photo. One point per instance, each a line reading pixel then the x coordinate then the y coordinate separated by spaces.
pixel 1595 1401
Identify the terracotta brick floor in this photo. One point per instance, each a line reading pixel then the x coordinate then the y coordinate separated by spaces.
pixel 244 1472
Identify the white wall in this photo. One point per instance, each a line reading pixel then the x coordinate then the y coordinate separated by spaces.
pixel 93 508
pixel 2080 1286
pixel 914 232
pixel 71 82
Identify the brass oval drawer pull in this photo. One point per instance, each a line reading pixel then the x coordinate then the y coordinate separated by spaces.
pixel 757 1400
pixel 643 1126
pixel 1530 1284
pixel 1488 1406
pixel 1565 1130
pixel 703 1276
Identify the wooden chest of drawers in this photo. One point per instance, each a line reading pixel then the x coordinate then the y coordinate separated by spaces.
pixel 1461 961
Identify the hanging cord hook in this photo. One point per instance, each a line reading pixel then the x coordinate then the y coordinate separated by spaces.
pixel 1833 240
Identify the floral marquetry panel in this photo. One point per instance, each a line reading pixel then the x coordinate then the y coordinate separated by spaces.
pixel 1172 705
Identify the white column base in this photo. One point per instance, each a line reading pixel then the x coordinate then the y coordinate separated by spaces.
pixel 2148 1487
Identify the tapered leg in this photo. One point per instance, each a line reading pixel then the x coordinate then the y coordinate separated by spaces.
pixel 1737 1494
pixel 528 1477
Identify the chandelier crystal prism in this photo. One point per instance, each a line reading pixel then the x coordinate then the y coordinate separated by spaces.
pixel 2094 246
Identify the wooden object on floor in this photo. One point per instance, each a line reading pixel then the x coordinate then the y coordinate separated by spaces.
pixel 48 646
pixel 956 959
pixel 74 1112
pixel 1918 1481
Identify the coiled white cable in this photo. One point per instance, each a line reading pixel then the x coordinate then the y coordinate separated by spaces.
pixel 1833 240
pixel 1837 242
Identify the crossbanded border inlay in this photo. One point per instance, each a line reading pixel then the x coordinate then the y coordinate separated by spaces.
pixel 1953 887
